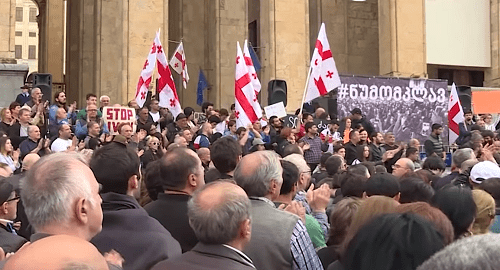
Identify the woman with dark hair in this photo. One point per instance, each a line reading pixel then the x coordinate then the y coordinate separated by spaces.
pixel 189 112
pixel 363 137
pixel 393 242
pixel 362 154
pixel 457 203
pixel 8 155
pixel 435 165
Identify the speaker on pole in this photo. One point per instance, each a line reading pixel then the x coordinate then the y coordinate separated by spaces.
pixel 44 82
pixel 277 92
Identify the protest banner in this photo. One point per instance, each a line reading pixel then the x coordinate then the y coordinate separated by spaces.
pixel 113 116
pixel 407 107
pixel 277 109
pixel 291 120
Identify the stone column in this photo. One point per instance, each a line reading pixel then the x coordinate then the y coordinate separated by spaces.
pixel 108 42
pixel 7 31
pixel 402 47
pixel 230 26
pixel 492 74
pixel 51 32
pixel 285 41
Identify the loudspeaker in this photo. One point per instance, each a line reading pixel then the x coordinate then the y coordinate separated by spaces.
pixel 277 92
pixel 44 82
pixel 465 96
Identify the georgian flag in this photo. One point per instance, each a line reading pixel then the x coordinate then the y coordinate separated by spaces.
pixel 455 114
pixel 167 93
pixel 324 75
pixel 246 103
pixel 251 69
pixel 146 73
pixel 178 64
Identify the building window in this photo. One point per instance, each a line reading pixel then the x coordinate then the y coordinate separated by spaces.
pixel 32 52
pixel 33 14
pixel 19 34
pixel 19 51
pixel 32 34
pixel 19 14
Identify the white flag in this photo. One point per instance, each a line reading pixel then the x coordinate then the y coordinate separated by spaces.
pixel 455 115
pixel 146 73
pixel 178 64
pixel 246 103
pixel 166 86
pixel 324 75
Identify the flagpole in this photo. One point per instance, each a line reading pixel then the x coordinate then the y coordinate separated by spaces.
pixel 305 90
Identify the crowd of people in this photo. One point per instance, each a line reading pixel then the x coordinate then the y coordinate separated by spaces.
pixel 200 192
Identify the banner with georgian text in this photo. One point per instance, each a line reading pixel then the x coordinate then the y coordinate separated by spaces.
pixel 407 107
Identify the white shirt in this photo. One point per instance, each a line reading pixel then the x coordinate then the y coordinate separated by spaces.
pixel 156 117
pixel 221 127
pixel 23 132
pixel 60 145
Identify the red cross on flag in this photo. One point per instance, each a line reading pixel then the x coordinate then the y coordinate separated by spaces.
pixel 146 73
pixel 247 107
pixel 455 114
pixel 251 68
pixel 167 93
pixel 323 71
pixel 178 64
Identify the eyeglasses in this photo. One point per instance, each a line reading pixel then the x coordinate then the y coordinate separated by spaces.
pixel 17 198
pixel 396 166
pixel 155 143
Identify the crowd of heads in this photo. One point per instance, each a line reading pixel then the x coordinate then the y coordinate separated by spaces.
pixel 350 196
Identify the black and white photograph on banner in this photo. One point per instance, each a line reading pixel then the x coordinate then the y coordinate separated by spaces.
pixel 406 107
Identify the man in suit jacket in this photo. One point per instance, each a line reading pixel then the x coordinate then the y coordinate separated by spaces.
pixel 219 214
pixel 9 240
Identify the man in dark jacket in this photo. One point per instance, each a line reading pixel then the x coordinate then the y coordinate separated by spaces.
pixel 127 228
pixel 219 214
pixel 181 174
pixel 358 118
pixel 9 240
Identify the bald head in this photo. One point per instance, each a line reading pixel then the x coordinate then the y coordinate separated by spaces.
pixel 219 213
pixel 214 195
pixel 403 166
pixel 204 155
pixel 58 252
pixel 29 160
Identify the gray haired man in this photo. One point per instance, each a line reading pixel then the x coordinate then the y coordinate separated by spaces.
pixel 279 239
pixel 219 214
pixel 61 196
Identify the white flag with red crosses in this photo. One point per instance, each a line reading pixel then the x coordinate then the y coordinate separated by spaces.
pixel 178 64
pixel 324 75
pixel 167 93
pixel 455 114
pixel 146 74
pixel 246 103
